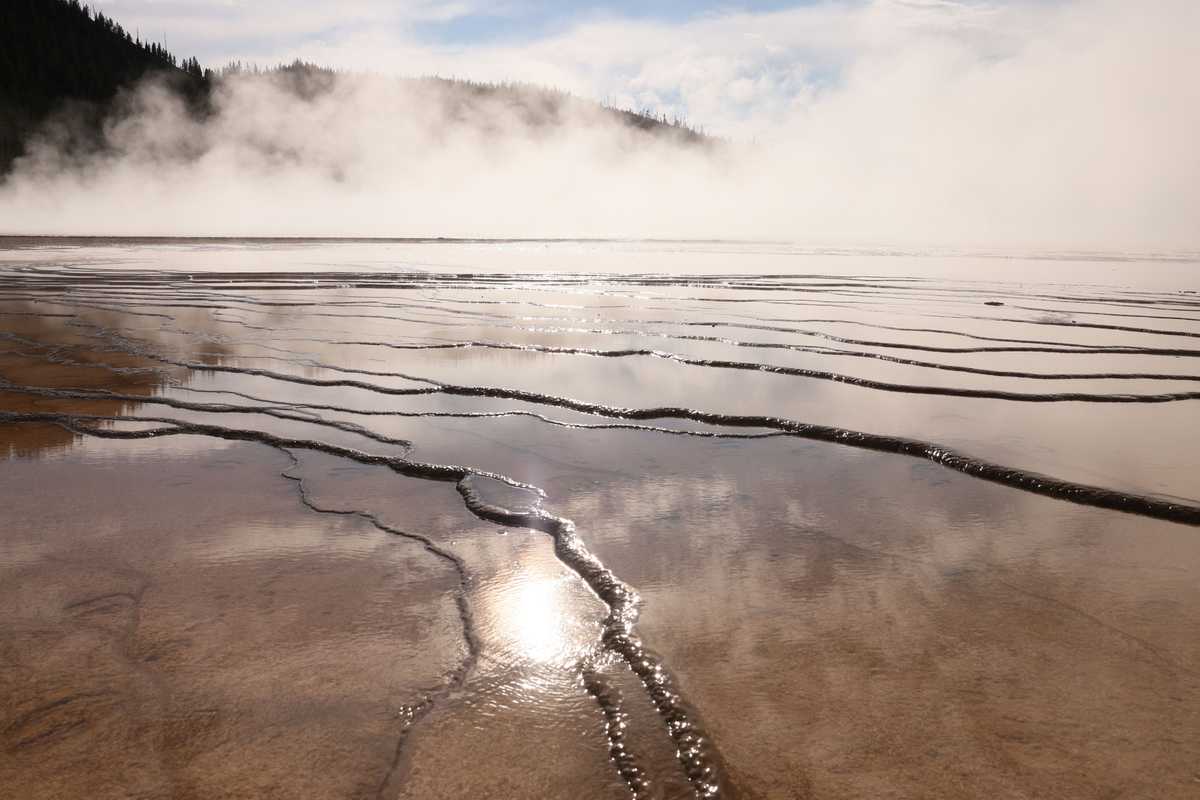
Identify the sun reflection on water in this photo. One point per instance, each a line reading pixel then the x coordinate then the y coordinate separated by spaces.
pixel 531 616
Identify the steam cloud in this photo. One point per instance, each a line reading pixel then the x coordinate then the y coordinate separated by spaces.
pixel 1029 125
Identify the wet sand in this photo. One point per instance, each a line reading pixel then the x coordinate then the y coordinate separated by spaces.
pixel 394 532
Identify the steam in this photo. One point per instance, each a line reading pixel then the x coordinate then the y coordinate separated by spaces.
pixel 1043 125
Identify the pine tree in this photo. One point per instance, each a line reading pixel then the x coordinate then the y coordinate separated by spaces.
pixel 54 52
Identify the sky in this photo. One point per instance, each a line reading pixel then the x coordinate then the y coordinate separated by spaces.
pixel 1043 123
pixel 733 68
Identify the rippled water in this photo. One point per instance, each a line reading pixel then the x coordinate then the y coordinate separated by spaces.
pixel 597 519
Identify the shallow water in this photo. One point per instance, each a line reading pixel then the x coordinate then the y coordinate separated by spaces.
pixel 597 519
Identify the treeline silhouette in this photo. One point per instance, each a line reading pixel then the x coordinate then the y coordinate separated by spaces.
pixel 63 59
pixel 55 53
pixel 532 105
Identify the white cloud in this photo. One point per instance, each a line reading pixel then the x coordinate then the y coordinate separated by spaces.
pixel 221 30
pixel 732 72
pixel 707 67
pixel 933 122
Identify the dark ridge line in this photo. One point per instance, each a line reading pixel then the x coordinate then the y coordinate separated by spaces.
pixel 101 276
pixel 532 283
pixel 783 369
pixel 820 294
pixel 39 276
pixel 75 304
pixel 626 765
pixel 911 295
pixel 647 322
pixel 292 357
pixel 1051 347
pixel 907 294
pixel 19 727
pixel 700 761
pixel 147 295
pixel 836 321
pixel 500 414
pixel 234 302
pixel 901 288
pixel 399 464
pixel 1082 494
pixel 56 357
pixel 439 386
pixel 866 383
pixel 608 697
pixel 277 405
pixel 1077 312
pixel 275 408
pixel 942 331
pixel 910 306
pixel 1054 347
pixel 1167 302
pixel 699 302
pixel 621 601
pixel 125 309
pixel 909 329
pixel 9 336
pixel 276 411
pixel 695 751
pixel 1086 349
pixel 300 379
pixel 507 319
pixel 457 677
pixel 54 354
pixel 748 365
pixel 826 351
pixel 1035 483
pixel 150 296
pixel 905 287
pixel 33 313
pixel 1100 326
pixel 1067 349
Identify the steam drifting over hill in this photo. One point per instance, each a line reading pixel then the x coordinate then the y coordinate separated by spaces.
pixel 1033 125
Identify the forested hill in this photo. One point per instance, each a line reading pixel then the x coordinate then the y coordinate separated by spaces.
pixel 54 52
pixel 61 55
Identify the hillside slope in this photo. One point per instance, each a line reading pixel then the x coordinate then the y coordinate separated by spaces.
pixel 55 53
pixel 60 58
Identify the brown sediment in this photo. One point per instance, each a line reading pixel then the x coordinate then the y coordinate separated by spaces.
pixel 153 647
pixel 25 360
pixel 775 601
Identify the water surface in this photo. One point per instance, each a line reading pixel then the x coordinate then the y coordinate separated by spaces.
pixel 597 519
